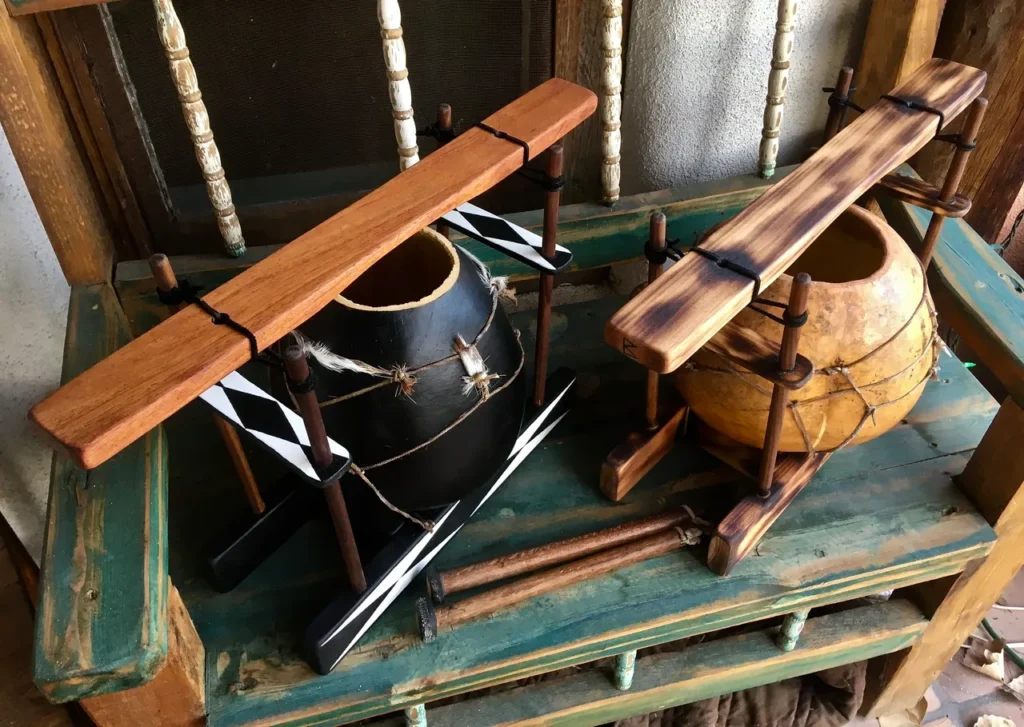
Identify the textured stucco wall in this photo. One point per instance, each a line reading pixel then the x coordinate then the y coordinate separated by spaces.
pixel 33 314
pixel 696 79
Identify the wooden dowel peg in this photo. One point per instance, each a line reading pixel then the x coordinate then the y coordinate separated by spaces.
pixel 792 626
pixel 416 715
pixel 442 584
pixel 965 144
pixel 625 665
pixel 484 604
pixel 780 394
pixel 166 281
pixel 297 369
pixel 654 271
pixel 444 124
pixel 552 200
pixel 837 102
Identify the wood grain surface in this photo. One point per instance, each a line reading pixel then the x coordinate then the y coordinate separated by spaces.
pixel 672 318
pixel 99 413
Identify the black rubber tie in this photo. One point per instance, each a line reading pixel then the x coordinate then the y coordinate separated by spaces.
pixel 917 106
pixel 305 386
pixel 733 266
pixel 507 137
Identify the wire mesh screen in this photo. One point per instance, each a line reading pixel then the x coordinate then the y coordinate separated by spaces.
pixel 297 91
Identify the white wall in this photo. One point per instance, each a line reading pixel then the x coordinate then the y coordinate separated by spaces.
pixel 697 76
pixel 33 313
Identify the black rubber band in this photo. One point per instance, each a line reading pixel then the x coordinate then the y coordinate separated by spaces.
pixel 957 141
pixel 794 321
pixel 541 178
pixel 917 106
pixel 507 137
pixel 442 135
pixel 785 319
pixel 658 256
pixel 303 387
pixel 733 266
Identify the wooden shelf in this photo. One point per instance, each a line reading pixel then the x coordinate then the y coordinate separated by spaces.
pixel 879 516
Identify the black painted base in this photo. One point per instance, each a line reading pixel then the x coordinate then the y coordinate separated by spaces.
pixel 390 561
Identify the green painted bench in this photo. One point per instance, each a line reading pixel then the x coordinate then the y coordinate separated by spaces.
pixel 889 514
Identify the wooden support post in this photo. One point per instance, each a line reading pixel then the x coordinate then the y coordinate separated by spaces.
pixel 176 697
pixel 780 394
pixel 297 370
pixel 994 481
pixel 442 584
pixel 183 73
pixel 416 715
pixel 654 271
pixel 45 147
pixel 965 144
pixel 484 604
pixel 444 125
pixel 775 102
pixel 166 281
pixel 611 100
pixel 625 665
pixel 792 625
pixel 552 200
pixel 837 102
pixel 389 15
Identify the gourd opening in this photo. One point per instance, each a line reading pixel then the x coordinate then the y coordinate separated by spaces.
pixel 418 271
pixel 850 249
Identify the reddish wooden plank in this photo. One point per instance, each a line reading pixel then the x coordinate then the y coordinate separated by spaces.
pixel 101 411
pixel 673 317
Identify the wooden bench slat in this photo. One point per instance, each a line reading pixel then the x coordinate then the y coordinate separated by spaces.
pixel 117 401
pixel 672 318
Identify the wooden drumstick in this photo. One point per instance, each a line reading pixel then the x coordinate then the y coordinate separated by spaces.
pixel 444 124
pixel 780 394
pixel 444 583
pixel 431 619
pixel 837 102
pixel 547 281
pixel 654 271
pixel 166 281
pixel 297 369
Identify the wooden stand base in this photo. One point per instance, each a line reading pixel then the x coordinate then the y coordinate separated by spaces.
pixel 740 531
pixel 630 461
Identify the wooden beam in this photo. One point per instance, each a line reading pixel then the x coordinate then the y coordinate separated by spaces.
pixel 993 479
pixel 900 37
pixel 120 399
pixel 987 34
pixel 666 323
pixel 27 7
pixel 45 145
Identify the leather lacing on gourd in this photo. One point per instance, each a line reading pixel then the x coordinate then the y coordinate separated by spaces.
pixel 933 344
pixel 478 378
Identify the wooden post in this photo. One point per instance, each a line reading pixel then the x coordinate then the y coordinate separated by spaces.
pixel 183 73
pixel 792 625
pixel 166 281
pixel 440 585
pixel 611 100
pixel 389 15
pixel 416 715
pixel 967 138
pixel 444 124
pixel 782 51
pixel 298 372
pixel 780 394
pixel 484 604
pixel 837 103
pixel 625 665
pixel 654 270
pixel 46 148
pixel 994 482
pixel 547 281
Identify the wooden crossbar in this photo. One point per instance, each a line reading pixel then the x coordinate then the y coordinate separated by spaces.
pixel 673 317
pixel 100 412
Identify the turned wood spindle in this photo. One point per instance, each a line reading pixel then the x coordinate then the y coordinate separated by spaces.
pixel 297 369
pixel 782 51
pixel 967 138
pixel 389 15
pixel 780 394
pixel 547 281
pixel 183 73
pixel 792 627
pixel 442 584
pixel 654 271
pixel 837 103
pixel 611 100
pixel 444 123
pixel 166 281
